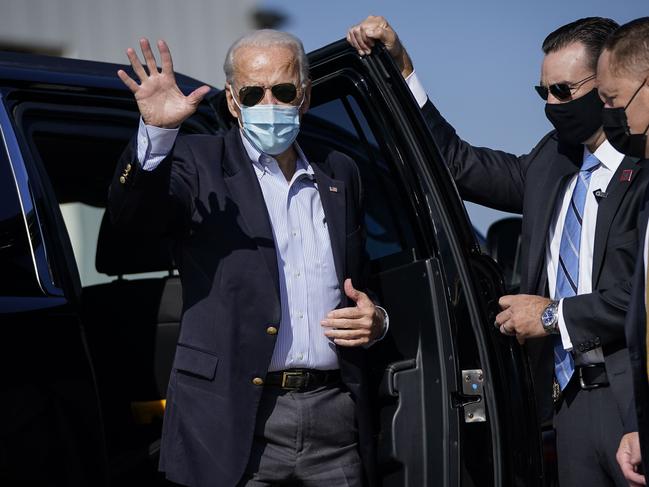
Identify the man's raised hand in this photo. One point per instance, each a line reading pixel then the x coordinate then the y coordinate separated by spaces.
pixel 374 28
pixel 160 101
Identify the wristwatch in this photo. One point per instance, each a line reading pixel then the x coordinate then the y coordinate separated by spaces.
pixel 550 318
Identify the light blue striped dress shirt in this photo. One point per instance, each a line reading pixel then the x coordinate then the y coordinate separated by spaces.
pixel 308 283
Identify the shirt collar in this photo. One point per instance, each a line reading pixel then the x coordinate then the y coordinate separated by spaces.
pixel 606 155
pixel 261 160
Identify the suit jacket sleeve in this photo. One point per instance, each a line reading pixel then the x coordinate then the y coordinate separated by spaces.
pixel 489 177
pixel 158 201
pixel 597 318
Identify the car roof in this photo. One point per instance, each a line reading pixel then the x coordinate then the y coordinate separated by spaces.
pixel 34 68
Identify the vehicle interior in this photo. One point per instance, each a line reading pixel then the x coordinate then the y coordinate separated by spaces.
pixel 130 297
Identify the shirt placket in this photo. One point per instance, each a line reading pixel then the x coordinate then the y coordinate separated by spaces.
pixel 295 280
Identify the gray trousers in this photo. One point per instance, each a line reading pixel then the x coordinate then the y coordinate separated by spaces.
pixel 305 439
pixel 588 425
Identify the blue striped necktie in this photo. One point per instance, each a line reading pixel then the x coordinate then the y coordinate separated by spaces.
pixel 568 269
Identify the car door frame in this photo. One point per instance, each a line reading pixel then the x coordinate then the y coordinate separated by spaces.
pixel 515 435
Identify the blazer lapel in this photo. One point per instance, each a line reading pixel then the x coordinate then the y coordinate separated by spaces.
pixel 608 207
pixel 559 172
pixel 243 185
pixel 332 196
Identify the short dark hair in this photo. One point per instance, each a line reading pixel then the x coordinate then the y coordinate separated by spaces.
pixel 590 31
pixel 629 46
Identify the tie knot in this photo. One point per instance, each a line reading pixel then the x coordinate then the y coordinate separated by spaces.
pixel 590 163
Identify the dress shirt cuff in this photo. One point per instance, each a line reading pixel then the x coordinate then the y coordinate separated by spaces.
pixel 417 89
pixel 153 144
pixel 565 337
pixel 386 326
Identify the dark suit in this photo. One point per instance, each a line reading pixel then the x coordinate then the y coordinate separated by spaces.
pixel 207 195
pixel 636 329
pixel 530 185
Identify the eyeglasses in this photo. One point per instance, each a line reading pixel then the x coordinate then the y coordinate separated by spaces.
pixel 561 91
pixel 251 95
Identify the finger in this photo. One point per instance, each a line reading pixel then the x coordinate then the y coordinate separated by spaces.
pixel 351 343
pixel 359 39
pixel 631 475
pixel 148 56
pixel 350 313
pixel 136 64
pixel 342 323
pixel 359 297
pixel 128 81
pixel 165 57
pixel 350 39
pixel 369 40
pixel 506 331
pixel 503 317
pixel 347 334
pixel 505 301
pixel 196 96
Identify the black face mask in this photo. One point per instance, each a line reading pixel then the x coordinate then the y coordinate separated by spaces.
pixel 577 120
pixel 618 133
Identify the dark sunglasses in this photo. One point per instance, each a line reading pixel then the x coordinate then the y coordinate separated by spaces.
pixel 251 95
pixel 561 91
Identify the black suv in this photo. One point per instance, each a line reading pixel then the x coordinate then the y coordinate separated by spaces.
pixel 84 369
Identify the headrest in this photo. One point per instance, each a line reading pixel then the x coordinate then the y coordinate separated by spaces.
pixel 120 252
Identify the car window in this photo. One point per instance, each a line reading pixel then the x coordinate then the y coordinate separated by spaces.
pixel 18 276
pixel 78 147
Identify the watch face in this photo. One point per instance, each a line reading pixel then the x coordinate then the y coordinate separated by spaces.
pixel 548 316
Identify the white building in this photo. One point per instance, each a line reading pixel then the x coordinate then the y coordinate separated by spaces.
pixel 198 33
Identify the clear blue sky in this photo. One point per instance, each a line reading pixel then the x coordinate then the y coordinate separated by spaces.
pixel 478 60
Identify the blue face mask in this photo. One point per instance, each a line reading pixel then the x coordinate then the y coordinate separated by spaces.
pixel 270 128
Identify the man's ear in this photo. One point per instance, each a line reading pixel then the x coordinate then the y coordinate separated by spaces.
pixel 307 98
pixel 232 106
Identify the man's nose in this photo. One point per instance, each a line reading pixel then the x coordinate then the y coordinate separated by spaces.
pixel 269 98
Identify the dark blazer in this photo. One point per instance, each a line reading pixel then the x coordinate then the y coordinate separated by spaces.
pixel 207 196
pixel 636 329
pixel 530 184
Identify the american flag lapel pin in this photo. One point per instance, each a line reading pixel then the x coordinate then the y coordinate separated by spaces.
pixel 333 189
pixel 626 175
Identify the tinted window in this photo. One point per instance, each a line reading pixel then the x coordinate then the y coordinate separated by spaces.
pixel 18 275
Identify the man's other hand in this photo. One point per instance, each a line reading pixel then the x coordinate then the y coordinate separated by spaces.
pixel 352 327
pixel 363 36
pixel 160 101
pixel 521 316
pixel 629 458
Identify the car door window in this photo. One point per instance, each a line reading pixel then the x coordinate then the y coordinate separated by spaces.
pixel 18 276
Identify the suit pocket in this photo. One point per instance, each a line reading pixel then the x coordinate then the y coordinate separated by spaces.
pixel 196 362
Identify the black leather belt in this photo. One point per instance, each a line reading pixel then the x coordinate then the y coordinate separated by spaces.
pixel 592 376
pixel 302 379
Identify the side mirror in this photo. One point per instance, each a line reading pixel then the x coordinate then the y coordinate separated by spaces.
pixel 504 246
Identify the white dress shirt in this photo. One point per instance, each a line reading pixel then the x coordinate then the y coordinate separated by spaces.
pixel 307 276
pixel 610 160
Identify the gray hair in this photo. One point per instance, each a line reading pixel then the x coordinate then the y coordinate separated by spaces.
pixel 268 38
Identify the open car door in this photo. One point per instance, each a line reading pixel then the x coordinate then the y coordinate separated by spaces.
pixel 453 401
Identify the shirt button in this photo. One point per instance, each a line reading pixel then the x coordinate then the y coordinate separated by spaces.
pixel 294 233
pixel 300 315
pixel 258 381
pixel 297 274
pixel 300 356
pixel 271 330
